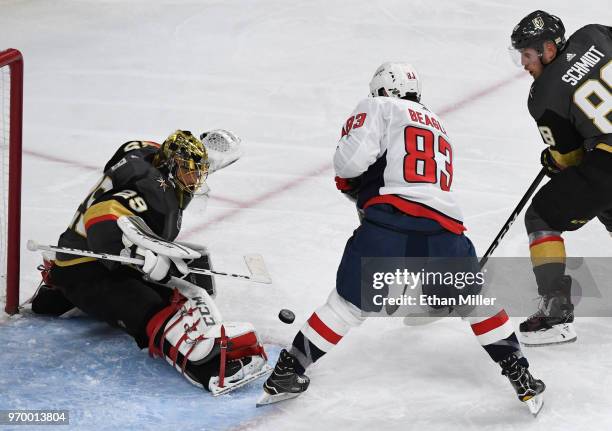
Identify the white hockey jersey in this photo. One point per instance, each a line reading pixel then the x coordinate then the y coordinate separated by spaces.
pixel 403 156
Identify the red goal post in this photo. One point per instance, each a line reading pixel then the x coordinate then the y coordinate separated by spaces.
pixel 11 141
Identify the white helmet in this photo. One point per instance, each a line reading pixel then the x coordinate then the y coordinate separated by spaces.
pixel 396 80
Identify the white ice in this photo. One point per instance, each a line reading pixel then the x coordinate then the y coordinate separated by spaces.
pixel 284 75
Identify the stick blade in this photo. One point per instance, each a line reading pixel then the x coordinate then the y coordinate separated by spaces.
pixel 32 245
pixel 257 267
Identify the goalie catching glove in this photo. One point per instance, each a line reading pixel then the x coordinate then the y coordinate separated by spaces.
pixel 223 148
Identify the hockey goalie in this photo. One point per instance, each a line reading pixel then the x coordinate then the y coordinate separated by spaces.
pixel 135 210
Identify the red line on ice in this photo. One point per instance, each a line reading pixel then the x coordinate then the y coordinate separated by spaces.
pixel 297 181
pixel 258 199
pixel 328 166
pixel 81 165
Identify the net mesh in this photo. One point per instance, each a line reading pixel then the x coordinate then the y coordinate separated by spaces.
pixel 5 91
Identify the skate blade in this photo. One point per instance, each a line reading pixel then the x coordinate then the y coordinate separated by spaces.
pixel 535 404
pixel 558 334
pixel 529 343
pixel 229 387
pixel 267 399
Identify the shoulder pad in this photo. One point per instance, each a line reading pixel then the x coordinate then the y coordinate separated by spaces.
pixel 131 162
pixel 136 149
pixel 592 33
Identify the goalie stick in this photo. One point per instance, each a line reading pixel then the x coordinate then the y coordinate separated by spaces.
pixel 254 262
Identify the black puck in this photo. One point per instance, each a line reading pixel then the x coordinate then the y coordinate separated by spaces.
pixel 286 316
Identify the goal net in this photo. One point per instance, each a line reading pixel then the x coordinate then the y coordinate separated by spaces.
pixel 11 95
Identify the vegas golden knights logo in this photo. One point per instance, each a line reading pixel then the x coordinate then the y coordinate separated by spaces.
pixel 538 23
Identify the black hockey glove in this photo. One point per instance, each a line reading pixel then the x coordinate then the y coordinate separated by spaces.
pixel 548 162
pixel 349 187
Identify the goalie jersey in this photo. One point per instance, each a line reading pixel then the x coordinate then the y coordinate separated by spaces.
pixel 402 156
pixel 131 185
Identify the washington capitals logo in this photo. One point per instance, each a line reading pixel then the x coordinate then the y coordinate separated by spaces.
pixel 162 183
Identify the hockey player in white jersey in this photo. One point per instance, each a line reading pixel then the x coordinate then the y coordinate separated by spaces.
pixel 395 160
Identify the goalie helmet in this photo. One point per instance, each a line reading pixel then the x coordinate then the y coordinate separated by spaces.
pixel 183 158
pixel 536 28
pixel 399 80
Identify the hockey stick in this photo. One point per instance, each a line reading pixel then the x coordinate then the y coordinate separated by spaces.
pixel 506 227
pixel 257 269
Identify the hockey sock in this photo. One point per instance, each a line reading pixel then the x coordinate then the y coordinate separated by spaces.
pixel 318 336
pixel 548 259
pixel 496 335
pixel 324 329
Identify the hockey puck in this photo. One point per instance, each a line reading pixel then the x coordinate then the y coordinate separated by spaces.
pixel 286 316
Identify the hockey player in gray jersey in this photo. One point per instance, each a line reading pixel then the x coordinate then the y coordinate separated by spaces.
pixel 570 102
pixel 163 306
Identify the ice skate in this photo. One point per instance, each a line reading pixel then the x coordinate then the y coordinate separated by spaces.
pixel 284 383
pixel 553 322
pixel 528 389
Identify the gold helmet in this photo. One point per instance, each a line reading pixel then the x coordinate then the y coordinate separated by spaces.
pixel 184 158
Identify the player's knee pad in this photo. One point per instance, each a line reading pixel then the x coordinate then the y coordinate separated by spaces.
pixel 535 223
pixel 191 336
pixel 569 200
pixel 342 310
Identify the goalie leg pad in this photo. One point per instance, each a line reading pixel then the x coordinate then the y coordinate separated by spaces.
pixel 190 336
pixel 48 299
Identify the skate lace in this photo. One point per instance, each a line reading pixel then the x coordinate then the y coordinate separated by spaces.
pixel 285 364
pixel 541 307
pixel 521 378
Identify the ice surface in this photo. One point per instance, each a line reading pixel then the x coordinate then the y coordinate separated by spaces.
pixel 284 76
pixel 105 381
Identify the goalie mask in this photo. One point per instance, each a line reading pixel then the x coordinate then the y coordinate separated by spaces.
pixel 396 80
pixel 183 157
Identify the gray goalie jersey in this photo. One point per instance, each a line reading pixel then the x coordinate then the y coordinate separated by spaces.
pixel 131 185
